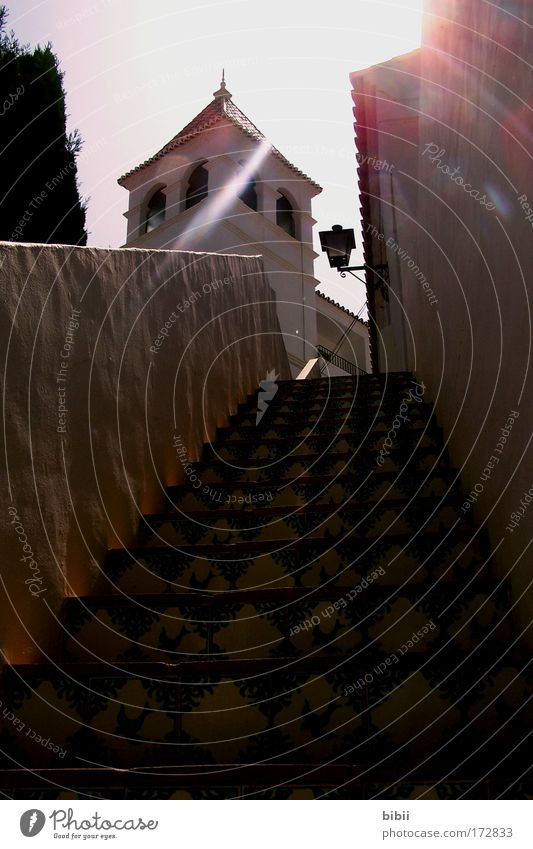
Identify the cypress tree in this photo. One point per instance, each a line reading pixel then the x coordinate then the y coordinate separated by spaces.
pixel 39 195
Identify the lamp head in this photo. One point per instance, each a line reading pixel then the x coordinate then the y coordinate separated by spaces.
pixel 338 244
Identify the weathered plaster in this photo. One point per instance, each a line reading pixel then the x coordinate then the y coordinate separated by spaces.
pixel 81 491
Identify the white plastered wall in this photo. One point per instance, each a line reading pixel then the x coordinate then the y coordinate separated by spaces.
pixel 95 393
pixel 222 223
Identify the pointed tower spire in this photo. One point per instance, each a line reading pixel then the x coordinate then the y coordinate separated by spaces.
pixel 222 93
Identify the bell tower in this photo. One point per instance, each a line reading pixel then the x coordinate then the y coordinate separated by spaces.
pixel 220 186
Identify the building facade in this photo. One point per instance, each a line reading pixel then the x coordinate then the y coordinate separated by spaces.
pixel 342 338
pixel 446 187
pixel 220 186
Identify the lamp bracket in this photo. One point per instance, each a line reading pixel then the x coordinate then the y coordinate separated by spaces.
pixel 381 272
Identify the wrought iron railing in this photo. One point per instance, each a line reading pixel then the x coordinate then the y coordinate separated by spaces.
pixel 340 362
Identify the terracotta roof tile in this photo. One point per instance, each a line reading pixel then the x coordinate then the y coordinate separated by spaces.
pixel 222 112
pixel 344 309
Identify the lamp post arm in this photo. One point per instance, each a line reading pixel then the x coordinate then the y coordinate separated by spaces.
pixel 351 268
pixel 381 270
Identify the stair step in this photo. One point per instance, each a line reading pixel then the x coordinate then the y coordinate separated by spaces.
pixel 314 521
pixel 284 623
pixel 336 411
pixel 287 468
pixel 207 713
pixel 286 433
pixel 319 490
pixel 363 386
pixel 334 495
pixel 324 395
pixel 309 563
pixel 276 448
pixel 266 781
pixel 305 426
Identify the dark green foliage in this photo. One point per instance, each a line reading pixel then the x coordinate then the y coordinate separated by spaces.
pixel 39 197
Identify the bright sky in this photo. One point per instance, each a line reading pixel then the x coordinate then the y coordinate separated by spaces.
pixel 136 72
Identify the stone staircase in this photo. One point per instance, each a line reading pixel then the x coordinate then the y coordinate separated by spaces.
pixel 311 616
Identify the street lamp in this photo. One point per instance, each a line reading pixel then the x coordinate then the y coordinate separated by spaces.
pixel 338 244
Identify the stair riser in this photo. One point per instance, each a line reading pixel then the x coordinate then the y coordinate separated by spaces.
pixel 343 410
pixel 245 455
pixel 385 487
pixel 346 565
pixel 245 452
pixel 358 622
pixel 359 414
pixel 360 407
pixel 306 391
pixel 288 469
pixel 458 786
pixel 382 519
pixel 296 717
pixel 291 432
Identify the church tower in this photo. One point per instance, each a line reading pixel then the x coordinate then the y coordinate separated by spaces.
pixel 220 186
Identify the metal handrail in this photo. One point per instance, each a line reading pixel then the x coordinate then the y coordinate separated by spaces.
pixel 338 361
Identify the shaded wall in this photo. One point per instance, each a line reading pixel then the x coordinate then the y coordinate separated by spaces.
pixel 338 332
pixel 111 354
pixel 470 234
pixel 474 350
pixel 386 108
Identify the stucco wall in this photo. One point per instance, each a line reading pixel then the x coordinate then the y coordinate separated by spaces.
pixel 95 393
pixel 337 331
pixel 386 100
pixel 474 352
pixel 474 245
